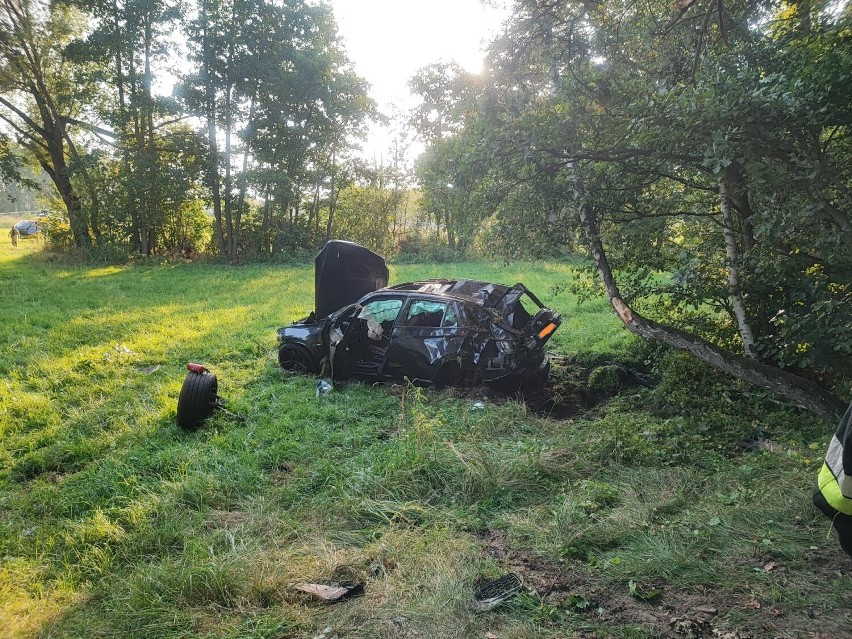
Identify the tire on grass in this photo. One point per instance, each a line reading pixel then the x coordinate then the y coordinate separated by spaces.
pixel 197 399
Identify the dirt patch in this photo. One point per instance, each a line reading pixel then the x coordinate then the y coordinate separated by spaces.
pixel 674 613
pixel 565 395
pixel 226 519
pixel 282 472
pixel 574 389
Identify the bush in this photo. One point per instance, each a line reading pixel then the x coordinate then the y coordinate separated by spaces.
pixel 426 248
pixel 57 235
pixel 609 379
pixel 187 229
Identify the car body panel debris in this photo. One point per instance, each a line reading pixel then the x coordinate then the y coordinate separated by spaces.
pixel 331 593
pixel 442 332
pixel 491 594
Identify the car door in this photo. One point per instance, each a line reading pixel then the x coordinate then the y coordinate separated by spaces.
pixel 360 339
pixel 427 335
pixel 341 334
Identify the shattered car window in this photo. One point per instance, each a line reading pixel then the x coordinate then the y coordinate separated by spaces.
pixel 522 312
pixel 450 319
pixel 425 313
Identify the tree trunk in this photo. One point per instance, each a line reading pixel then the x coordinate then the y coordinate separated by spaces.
pixel 123 122
pixel 213 156
pixel 153 214
pixel 332 199
pixel 229 120
pixel 809 395
pixel 733 260
pixel 79 229
pixel 139 159
pixel 265 224
pixel 94 212
pixel 241 198
pixel 62 180
pixel 738 194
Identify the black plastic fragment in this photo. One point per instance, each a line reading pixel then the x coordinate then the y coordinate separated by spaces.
pixel 490 595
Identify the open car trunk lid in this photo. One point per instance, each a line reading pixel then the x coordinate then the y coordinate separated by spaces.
pixel 540 324
pixel 343 273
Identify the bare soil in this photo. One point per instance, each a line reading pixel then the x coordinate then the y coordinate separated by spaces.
pixel 676 612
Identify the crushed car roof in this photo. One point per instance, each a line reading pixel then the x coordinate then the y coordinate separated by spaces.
pixel 483 293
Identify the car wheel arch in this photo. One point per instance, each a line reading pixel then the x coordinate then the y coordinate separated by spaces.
pixel 293 356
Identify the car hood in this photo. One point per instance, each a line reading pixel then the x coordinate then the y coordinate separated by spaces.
pixel 344 272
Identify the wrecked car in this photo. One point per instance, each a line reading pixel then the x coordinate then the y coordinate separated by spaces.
pixel 441 332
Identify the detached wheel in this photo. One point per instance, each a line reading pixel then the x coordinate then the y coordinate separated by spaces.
pixel 197 399
pixel 295 359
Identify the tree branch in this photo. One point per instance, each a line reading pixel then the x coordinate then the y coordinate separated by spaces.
pixel 91 127
pixel 27 119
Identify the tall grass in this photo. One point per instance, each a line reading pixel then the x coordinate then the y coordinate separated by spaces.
pixel 115 523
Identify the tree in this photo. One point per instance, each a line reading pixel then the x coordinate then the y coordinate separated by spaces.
pixel 275 83
pixel 40 99
pixel 683 142
pixel 120 50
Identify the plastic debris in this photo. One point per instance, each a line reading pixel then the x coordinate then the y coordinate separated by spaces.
pixel 479 405
pixel 196 368
pixel 323 387
pixel 490 595
pixel 331 593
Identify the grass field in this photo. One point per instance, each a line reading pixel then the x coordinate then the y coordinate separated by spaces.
pixel 641 518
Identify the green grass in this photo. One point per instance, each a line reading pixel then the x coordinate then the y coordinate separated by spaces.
pixel 114 523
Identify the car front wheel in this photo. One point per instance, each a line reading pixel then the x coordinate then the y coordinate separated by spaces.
pixel 295 359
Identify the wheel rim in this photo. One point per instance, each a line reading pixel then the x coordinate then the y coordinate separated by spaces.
pixel 294 359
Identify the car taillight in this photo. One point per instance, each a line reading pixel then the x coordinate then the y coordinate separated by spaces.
pixel 544 333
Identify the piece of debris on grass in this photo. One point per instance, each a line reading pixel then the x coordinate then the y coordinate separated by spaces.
pixel 704 613
pixel 323 387
pixel 644 593
pixel 696 623
pixel 491 594
pixel 331 593
pixel 119 350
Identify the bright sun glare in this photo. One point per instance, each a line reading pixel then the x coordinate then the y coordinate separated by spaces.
pixel 389 40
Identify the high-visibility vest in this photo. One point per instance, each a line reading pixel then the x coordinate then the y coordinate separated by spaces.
pixel 835 476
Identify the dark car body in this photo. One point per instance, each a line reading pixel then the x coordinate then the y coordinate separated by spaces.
pixel 437 331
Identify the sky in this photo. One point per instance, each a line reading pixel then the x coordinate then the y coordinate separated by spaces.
pixel 389 40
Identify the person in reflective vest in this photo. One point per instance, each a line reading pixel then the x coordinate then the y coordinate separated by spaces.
pixel 833 492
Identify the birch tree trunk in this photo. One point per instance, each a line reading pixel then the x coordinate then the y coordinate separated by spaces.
pixel 733 259
pixel 804 392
